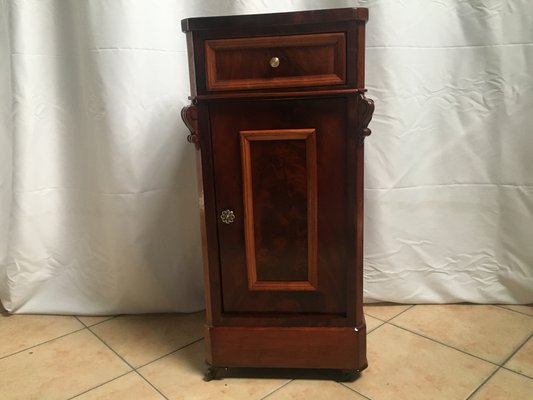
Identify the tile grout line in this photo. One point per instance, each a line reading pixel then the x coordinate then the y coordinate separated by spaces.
pixel 376 328
pixel 483 383
pixel 142 365
pixel 489 377
pixel 41 343
pixel 379 319
pixel 151 384
pixel 99 385
pixel 98 323
pixel 133 369
pixel 444 344
pixel 510 309
pixel 500 367
pixel 387 320
pixel 355 391
pixel 85 327
pixel 168 354
pixel 136 369
pixel 513 354
pixel 518 373
pixel 463 351
pixel 113 350
pixel 517 348
pixel 277 389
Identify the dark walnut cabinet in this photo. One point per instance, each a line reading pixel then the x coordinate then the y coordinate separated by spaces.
pixel 278 118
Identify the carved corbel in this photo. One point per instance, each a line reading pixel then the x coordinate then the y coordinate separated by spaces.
pixel 365 109
pixel 189 114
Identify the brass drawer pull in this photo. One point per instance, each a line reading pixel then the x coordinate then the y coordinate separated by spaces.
pixel 274 62
pixel 227 216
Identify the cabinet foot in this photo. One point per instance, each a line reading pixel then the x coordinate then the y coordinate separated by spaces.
pixel 210 374
pixel 349 375
pixel 213 373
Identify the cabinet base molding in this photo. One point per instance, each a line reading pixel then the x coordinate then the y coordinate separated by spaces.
pixel 340 348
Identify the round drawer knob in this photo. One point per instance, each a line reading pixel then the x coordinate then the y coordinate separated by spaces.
pixel 274 62
pixel 227 216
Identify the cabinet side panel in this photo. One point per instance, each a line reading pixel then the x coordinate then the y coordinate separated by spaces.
pixel 208 217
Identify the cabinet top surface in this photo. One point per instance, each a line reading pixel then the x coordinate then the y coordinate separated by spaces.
pixel 286 18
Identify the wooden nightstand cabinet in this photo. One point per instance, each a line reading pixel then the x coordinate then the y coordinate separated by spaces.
pixel 278 118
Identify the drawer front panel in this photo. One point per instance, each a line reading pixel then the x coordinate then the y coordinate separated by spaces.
pixel 276 61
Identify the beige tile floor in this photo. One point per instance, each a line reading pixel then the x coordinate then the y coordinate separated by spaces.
pixel 437 352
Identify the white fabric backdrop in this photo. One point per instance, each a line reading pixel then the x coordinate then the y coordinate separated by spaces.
pixel 98 208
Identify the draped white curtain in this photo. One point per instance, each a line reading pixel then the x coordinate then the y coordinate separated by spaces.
pixel 98 203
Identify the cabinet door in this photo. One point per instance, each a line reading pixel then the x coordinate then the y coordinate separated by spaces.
pixel 281 169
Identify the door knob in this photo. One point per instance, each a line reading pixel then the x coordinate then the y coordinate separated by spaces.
pixel 227 216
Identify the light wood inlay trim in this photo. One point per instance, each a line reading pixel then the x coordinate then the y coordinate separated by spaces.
pixel 309 135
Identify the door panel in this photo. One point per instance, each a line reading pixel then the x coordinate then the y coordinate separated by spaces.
pixel 280 167
pixel 279 182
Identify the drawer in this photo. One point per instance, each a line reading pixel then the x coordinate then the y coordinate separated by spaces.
pixel 275 62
